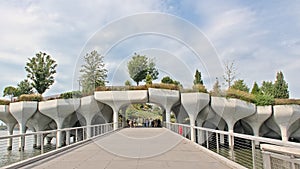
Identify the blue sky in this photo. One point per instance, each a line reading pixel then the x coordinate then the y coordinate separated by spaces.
pixel 262 37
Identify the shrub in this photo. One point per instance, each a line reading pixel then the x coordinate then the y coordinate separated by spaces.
pixel 73 94
pixel 264 100
pixel 102 88
pixel 30 97
pixel 4 102
pixel 200 88
pixel 232 93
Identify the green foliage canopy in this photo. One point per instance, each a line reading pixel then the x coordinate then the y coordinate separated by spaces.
pixel 240 85
pixel 198 78
pixel 93 73
pixel 139 66
pixel 41 70
pixel 280 87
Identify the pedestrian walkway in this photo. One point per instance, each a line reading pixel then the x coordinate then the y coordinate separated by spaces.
pixel 134 148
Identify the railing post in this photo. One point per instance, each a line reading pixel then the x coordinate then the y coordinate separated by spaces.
pixel 266 160
pixel 42 143
pixel 68 137
pixel 253 154
pixel 207 140
pixel 76 135
pixel 217 142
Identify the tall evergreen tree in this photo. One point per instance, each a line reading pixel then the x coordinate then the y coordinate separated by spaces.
pixel 280 87
pixel 267 88
pixel 198 78
pixel 93 72
pixel 240 85
pixel 255 89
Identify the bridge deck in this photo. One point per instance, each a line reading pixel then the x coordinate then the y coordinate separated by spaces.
pixel 134 148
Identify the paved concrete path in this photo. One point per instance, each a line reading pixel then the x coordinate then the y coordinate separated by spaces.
pixel 135 148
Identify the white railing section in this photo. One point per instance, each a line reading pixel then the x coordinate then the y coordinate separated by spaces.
pixel 37 143
pixel 243 149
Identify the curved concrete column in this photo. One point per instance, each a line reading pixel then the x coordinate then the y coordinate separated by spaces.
pixel 231 110
pixel 59 110
pixel 180 114
pixel 285 116
pixel 23 111
pixel 89 108
pixel 258 118
pixel 39 122
pixel 9 121
pixel 165 98
pixel 117 99
pixel 193 103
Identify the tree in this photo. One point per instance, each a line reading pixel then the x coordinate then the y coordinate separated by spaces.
pixel 10 91
pixel 127 83
pixel 198 78
pixel 148 79
pixel 216 88
pixel 240 85
pixel 230 73
pixel 255 89
pixel 24 87
pixel 280 87
pixel 41 70
pixel 139 66
pixel 168 80
pixel 93 73
pixel 267 88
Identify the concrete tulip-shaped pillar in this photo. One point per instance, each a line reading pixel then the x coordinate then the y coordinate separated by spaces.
pixel 193 103
pixel 117 99
pixel 9 121
pixel 285 116
pixel 217 121
pixel 22 112
pixel 89 108
pixel 231 110
pixel 39 122
pixel 59 110
pixel 258 118
pixel 165 98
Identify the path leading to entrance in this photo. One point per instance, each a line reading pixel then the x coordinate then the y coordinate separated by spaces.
pixel 135 148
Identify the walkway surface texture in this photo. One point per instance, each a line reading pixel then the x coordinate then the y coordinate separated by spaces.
pixel 134 148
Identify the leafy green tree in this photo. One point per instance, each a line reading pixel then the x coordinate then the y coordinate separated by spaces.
pixel 267 88
pixel 10 91
pixel 240 85
pixel 41 70
pixel 127 83
pixel 139 66
pixel 216 88
pixel 280 87
pixel 148 79
pixel 24 87
pixel 198 78
pixel 168 80
pixel 93 72
pixel 255 89
pixel 230 73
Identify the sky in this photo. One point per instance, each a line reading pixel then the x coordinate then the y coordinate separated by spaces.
pixel 181 36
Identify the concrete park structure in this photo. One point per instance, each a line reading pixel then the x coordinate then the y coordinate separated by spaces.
pixel 198 109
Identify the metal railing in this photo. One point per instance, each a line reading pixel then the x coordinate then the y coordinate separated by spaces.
pixel 240 148
pixel 15 148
